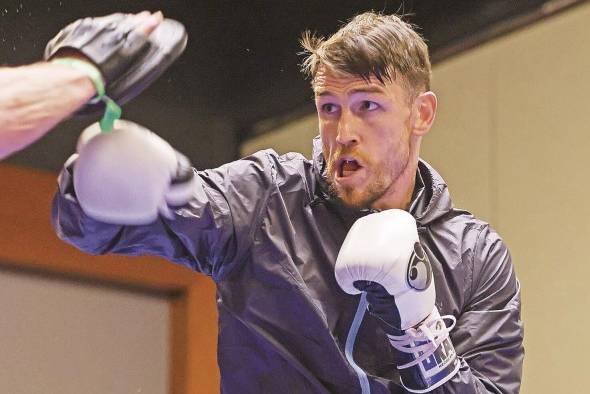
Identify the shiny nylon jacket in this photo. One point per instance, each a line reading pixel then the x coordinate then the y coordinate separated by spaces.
pixel 267 232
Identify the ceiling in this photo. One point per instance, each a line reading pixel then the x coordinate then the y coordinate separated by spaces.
pixel 241 62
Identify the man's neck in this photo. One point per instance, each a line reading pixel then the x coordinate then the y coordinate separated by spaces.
pixel 402 190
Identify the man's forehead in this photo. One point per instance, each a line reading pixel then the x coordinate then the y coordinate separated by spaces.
pixel 328 81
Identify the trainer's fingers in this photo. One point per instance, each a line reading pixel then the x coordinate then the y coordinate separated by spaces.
pixel 148 22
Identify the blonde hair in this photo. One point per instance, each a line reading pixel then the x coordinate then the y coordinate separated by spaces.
pixel 372 44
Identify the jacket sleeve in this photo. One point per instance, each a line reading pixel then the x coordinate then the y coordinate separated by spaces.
pixel 211 234
pixel 489 333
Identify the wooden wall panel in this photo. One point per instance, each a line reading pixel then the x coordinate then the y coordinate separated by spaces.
pixel 27 241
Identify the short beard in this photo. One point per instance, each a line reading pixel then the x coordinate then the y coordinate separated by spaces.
pixel 345 196
pixel 375 190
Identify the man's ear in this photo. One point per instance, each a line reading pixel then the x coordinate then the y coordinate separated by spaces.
pixel 424 113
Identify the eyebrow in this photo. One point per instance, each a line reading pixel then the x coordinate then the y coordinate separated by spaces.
pixel 372 89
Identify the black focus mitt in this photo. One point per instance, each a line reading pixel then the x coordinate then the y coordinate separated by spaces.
pixel 129 61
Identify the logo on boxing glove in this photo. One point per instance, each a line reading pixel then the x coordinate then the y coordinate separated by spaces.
pixel 419 275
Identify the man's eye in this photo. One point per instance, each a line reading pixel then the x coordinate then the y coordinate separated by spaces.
pixel 329 108
pixel 369 105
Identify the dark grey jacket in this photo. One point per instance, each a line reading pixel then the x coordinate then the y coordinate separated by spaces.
pixel 267 232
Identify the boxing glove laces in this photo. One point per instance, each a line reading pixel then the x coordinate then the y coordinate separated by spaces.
pixel 382 257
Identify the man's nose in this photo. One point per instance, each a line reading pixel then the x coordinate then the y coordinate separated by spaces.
pixel 347 129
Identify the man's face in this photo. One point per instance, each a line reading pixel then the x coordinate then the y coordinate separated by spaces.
pixel 365 131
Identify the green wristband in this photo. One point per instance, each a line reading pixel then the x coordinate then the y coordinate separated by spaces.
pixel 112 110
pixel 90 70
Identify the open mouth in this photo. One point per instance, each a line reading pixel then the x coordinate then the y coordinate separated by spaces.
pixel 347 167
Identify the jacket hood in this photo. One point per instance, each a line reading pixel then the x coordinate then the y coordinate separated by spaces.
pixel 427 205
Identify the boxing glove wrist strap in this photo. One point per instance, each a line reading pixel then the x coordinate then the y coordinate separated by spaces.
pixel 429 355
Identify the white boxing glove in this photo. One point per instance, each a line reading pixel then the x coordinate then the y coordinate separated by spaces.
pixel 382 256
pixel 130 175
pixel 384 248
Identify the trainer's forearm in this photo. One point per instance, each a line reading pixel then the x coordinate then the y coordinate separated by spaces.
pixel 35 98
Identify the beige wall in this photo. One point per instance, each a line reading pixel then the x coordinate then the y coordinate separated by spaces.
pixel 512 140
pixel 61 336
pixel 294 136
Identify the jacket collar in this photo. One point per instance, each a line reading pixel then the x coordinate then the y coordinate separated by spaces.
pixel 431 198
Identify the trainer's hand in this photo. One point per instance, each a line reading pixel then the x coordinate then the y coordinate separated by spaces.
pixel 130 175
pixel 147 22
pixel 130 51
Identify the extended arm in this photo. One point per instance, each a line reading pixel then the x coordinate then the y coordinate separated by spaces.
pixel 35 98
pixel 208 234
